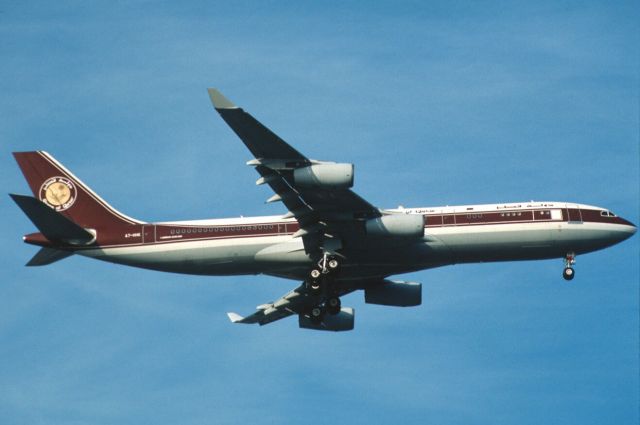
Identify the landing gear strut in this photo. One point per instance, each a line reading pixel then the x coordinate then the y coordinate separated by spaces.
pixel 569 261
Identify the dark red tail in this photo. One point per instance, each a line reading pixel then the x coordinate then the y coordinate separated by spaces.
pixel 58 188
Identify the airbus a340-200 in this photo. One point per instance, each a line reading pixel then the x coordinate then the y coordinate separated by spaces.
pixel 331 240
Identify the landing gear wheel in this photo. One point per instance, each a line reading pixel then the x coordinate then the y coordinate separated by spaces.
pixel 333 305
pixel 316 314
pixel 315 281
pixel 315 274
pixel 333 264
pixel 568 273
pixel 315 286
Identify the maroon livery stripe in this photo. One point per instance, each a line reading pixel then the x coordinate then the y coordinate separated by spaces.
pixel 522 216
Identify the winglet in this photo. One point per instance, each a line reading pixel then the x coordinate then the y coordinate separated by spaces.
pixel 219 101
pixel 235 318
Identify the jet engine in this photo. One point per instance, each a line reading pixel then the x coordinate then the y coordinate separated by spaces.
pixel 342 321
pixel 397 225
pixel 329 175
pixel 394 293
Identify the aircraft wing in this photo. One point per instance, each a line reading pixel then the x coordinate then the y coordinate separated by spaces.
pixel 298 301
pixel 324 213
pixel 294 302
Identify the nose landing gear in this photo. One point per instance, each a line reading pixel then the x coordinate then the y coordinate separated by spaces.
pixel 568 272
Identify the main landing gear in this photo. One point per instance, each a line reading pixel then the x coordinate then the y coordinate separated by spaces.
pixel 323 273
pixel 321 283
pixel 569 261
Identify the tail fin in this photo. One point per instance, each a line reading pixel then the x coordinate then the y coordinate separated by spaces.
pixel 58 188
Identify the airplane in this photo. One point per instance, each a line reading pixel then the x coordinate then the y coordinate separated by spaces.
pixel 331 240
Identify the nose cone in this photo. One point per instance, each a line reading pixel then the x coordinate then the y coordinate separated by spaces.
pixel 627 229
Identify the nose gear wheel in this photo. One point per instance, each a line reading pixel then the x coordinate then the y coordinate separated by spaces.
pixel 568 273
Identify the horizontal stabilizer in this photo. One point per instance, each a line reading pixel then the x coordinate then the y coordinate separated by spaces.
pixel 53 225
pixel 47 256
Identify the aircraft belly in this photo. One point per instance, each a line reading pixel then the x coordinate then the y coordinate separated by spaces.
pixel 208 257
pixel 285 253
pixel 385 257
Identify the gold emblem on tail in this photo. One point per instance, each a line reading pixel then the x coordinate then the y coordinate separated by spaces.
pixel 58 192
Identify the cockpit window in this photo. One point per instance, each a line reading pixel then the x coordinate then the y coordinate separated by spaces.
pixel 606 213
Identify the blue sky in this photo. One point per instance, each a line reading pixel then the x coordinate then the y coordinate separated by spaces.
pixel 437 103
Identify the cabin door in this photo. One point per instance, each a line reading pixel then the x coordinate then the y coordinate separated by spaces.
pixel 148 233
pixel 574 214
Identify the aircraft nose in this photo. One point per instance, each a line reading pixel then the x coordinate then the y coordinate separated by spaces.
pixel 628 229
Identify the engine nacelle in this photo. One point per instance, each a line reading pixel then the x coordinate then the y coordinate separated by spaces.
pixel 394 293
pixel 397 225
pixel 329 175
pixel 342 321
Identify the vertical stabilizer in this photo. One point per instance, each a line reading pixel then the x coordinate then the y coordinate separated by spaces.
pixel 59 189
